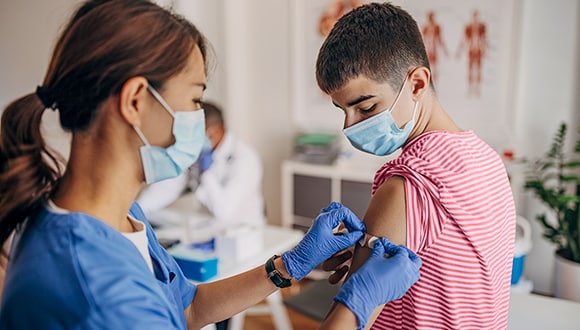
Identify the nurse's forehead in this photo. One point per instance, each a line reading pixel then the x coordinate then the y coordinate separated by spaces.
pixel 190 79
pixel 194 72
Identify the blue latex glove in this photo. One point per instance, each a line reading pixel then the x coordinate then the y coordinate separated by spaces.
pixel 205 160
pixel 380 280
pixel 320 242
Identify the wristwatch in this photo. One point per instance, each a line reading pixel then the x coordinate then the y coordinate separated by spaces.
pixel 275 276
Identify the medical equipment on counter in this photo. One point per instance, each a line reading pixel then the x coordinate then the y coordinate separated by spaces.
pixel 196 264
pixel 238 243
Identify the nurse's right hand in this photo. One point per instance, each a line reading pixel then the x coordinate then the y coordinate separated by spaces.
pixel 380 279
pixel 320 242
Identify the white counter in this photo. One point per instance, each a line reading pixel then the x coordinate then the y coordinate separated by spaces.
pixel 530 311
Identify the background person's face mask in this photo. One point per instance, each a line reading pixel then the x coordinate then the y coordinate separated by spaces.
pixel 379 135
pixel 189 132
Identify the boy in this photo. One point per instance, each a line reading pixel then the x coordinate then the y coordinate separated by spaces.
pixel 446 197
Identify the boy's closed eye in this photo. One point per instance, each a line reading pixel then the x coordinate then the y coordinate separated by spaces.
pixel 369 109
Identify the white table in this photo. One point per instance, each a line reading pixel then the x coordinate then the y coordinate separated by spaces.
pixel 275 241
pixel 531 311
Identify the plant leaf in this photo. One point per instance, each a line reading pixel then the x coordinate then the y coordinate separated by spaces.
pixel 574 163
pixel 569 178
pixel 567 199
pixel 550 179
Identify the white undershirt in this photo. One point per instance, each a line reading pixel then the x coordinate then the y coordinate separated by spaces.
pixel 138 238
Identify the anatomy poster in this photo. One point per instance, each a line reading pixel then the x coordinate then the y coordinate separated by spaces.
pixel 312 21
pixel 472 51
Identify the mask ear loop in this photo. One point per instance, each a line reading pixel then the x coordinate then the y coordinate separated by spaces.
pixel 415 110
pixel 160 99
pixel 401 89
pixel 164 104
pixel 399 95
pixel 417 102
pixel 141 135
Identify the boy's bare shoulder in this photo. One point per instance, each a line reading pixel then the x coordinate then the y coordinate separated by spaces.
pixel 386 214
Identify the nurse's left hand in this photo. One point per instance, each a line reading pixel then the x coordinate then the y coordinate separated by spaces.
pixel 380 279
pixel 320 242
pixel 205 160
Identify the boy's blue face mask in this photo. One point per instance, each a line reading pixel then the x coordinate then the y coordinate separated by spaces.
pixel 379 135
pixel 189 132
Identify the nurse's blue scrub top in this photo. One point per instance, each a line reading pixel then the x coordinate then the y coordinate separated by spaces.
pixel 73 271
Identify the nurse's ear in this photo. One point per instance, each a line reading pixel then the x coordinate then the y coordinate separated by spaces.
pixel 134 100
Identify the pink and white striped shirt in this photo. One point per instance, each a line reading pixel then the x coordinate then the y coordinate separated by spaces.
pixel 461 222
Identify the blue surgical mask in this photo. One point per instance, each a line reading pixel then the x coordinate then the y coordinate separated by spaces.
pixel 379 135
pixel 189 132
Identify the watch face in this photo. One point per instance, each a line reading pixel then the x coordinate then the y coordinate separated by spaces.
pixel 280 281
pixel 275 276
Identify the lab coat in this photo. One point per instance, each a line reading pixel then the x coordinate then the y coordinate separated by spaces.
pixel 73 271
pixel 231 189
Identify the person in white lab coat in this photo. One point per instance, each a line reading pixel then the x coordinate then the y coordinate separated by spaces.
pixel 227 179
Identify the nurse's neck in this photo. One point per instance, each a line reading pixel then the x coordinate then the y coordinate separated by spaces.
pixel 100 186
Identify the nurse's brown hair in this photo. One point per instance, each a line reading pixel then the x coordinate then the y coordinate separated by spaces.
pixel 105 43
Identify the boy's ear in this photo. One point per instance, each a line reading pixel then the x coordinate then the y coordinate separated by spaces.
pixel 420 79
pixel 133 99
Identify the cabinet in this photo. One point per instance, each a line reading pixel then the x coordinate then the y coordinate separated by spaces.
pixel 307 188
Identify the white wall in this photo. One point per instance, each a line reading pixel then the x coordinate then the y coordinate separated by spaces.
pixel 208 18
pixel 28 30
pixel 252 40
pixel 27 33
pixel 264 90
pixel 546 95
pixel 252 43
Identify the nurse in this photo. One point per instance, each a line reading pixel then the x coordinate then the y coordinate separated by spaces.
pixel 127 78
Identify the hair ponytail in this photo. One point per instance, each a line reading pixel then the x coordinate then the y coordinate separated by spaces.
pixel 29 170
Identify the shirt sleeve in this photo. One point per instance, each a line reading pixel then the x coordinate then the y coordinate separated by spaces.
pixel 425 214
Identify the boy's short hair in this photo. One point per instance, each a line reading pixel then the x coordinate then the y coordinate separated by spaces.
pixel 379 41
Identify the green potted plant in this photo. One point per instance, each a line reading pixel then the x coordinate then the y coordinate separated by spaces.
pixel 555 180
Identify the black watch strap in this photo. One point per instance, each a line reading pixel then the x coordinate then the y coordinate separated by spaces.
pixel 274 275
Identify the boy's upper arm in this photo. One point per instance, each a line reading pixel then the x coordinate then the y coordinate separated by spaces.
pixel 386 214
pixel 385 217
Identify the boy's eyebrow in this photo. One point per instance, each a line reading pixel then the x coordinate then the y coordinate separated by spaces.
pixel 360 99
